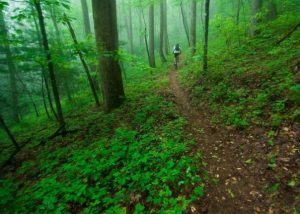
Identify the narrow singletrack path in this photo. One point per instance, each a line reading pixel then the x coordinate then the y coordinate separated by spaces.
pixel 238 176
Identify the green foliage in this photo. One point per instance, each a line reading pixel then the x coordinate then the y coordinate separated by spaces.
pixel 251 82
pixel 148 166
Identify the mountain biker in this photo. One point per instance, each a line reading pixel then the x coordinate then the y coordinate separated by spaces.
pixel 176 52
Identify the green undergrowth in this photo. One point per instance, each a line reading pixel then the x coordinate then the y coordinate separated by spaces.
pixel 252 82
pixel 137 158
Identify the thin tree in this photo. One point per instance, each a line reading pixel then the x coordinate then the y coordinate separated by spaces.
pixel 55 22
pixel 8 132
pixel 141 27
pixel 193 26
pixel 151 35
pixel 185 23
pixel 166 34
pixel 256 8
pixel 11 67
pixel 239 4
pixel 162 33
pixel 44 99
pixel 43 69
pixel 26 90
pixel 272 10
pixel 60 116
pixel 86 18
pixel 130 34
pixel 206 30
pixel 81 57
pixel 146 35
pixel 105 19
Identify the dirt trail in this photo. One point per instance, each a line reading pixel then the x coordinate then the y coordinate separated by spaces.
pixel 240 174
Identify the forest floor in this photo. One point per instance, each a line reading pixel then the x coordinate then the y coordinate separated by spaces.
pixel 239 164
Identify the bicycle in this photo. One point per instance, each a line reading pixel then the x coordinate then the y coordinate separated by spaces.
pixel 176 62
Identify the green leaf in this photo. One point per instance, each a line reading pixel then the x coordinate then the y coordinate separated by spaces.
pixel 199 191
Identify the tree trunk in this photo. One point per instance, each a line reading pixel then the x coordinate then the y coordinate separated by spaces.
pixel 44 99
pixel 11 68
pixel 105 19
pixel 185 23
pixel 29 95
pixel 272 10
pixel 86 18
pixel 151 36
pixel 65 82
pixel 84 64
pixel 43 67
pixel 205 42
pixel 146 36
pixel 193 26
pixel 54 21
pixel 141 28
pixel 50 66
pixel 166 34
pixel 256 8
pixel 162 33
pixel 8 132
pixel 130 37
pixel 239 4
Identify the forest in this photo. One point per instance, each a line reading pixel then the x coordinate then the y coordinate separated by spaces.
pixel 150 106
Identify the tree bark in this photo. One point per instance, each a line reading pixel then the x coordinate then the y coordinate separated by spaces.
pixel 256 8
pixel 166 34
pixel 29 95
pixel 151 35
pixel 44 99
pixel 105 19
pixel 8 132
pixel 43 67
pixel 130 34
pixel 84 64
pixel 60 116
pixel 146 36
pixel 162 33
pixel 206 30
pixel 193 26
pixel 86 18
pixel 185 23
pixel 11 68
pixel 239 3
pixel 65 82
pixel 141 28
pixel 54 21
pixel 272 10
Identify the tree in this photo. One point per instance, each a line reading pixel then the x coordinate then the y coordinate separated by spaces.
pixel 272 10
pixel 256 8
pixel 65 81
pixel 166 34
pixel 8 132
pixel 81 57
pixel 129 29
pixel 146 36
pixel 43 69
pixel 239 4
pixel 162 32
pixel 206 30
pixel 105 20
pixel 193 26
pixel 86 18
pixel 60 116
pixel 185 23
pixel 151 35
pixel 11 67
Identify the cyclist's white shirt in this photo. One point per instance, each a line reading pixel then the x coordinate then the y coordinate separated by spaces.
pixel 176 51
